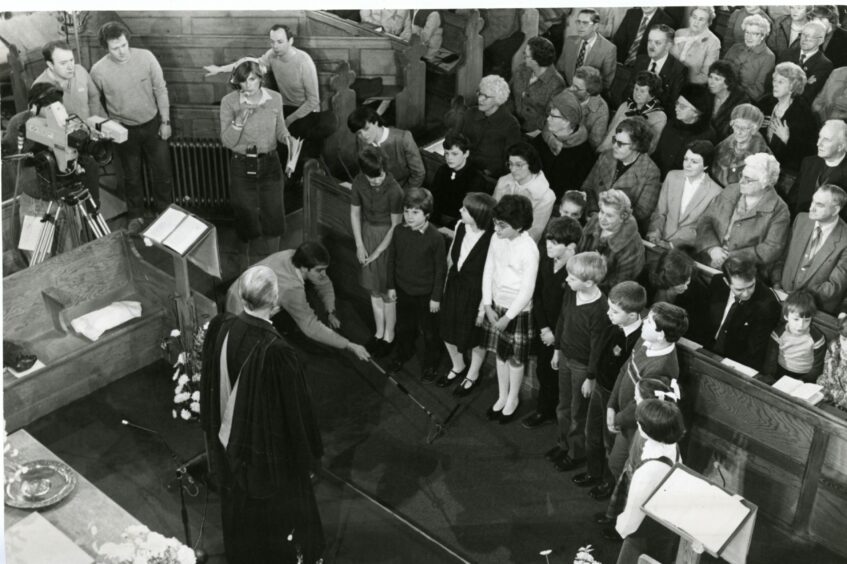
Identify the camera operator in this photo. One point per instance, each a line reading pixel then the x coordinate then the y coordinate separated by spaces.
pixel 136 95
pixel 80 97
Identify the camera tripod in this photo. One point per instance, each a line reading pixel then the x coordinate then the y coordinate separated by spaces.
pixel 77 220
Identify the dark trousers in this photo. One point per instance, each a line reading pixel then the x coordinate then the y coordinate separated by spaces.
pixel 598 439
pixel 413 316
pixel 548 382
pixel 256 199
pixel 144 139
pixel 572 408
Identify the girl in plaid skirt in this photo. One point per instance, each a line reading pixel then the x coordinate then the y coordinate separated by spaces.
pixel 507 285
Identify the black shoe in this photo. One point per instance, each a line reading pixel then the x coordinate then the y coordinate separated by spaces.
pixel 554 453
pixel 609 533
pixel 506 419
pixel 535 420
pixel 493 415
pixel 429 376
pixel 395 365
pixel 602 491
pixel 585 480
pixel 565 463
pixel 384 348
pixel 373 345
pixel 465 387
pixel 447 380
pixel 602 519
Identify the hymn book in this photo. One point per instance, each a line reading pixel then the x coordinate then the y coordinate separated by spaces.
pixel 805 391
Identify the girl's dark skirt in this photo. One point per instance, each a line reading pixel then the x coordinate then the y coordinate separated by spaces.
pixel 514 341
pixel 374 275
pixel 257 199
pixel 459 310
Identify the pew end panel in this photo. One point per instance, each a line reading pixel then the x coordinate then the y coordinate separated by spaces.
pixel 40 300
pixel 529 27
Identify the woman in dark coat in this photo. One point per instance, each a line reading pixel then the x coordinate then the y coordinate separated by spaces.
pixel 460 307
pixel 692 115
pixel 261 435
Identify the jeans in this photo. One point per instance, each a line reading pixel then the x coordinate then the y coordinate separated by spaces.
pixel 144 139
pixel 573 408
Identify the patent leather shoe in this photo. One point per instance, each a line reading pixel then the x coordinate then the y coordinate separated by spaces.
pixel 465 387
pixel 601 492
pixel 451 378
pixel 491 415
pixel 535 420
pixel 585 480
pixel 506 419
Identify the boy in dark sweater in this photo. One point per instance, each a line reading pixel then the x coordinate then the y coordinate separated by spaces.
pixel 616 343
pixel 654 356
pixel 417 266
pixel 578 329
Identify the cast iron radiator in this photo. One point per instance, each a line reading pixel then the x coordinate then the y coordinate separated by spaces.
pixel 201 174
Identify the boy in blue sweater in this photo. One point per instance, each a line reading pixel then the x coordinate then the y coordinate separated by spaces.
pixel 417 265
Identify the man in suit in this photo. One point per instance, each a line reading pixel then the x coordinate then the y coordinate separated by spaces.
pixel 631 37
pixel 811 59
pixel 816 259
pixel 589 48
pixel 835 44
pixel 742 313
pixel 659 61
pixel 829 166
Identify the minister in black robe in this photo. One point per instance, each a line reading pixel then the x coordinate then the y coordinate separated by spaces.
pixel 268 506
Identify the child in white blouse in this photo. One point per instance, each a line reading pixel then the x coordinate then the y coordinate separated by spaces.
pixel 660 424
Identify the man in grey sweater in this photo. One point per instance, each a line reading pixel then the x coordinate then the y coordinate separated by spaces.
pixel 136 95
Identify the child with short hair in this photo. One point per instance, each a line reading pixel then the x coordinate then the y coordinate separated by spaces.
pixel 615 344
pixel 402 157
pixel 416 270
pixel 376 208
pixel 654 356
pixel 559 244
pixel 660 424
pixel 573 204
pixel 581 321
pixel 507 284
pixel 796 348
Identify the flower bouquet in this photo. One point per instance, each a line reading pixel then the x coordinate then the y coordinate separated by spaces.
pixel 142 546
pixel 186 376
pixel 584 556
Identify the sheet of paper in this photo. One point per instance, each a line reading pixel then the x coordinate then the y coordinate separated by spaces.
pixel 702 510
pixel 787 384
pixel 30 233
pixel 746 370
pixel 164 225
pixel 35 539
pixel 436 147
pixel 186 234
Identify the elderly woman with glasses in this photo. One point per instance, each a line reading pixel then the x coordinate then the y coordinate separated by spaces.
pixel 696 46
pixel 526 179
pixel 613 232
pixel 754 59
pixel 744 141
pixel 726 94
pixel 586 85
pixel 627 167
pixel 790 127
pixel 490 127
pixel 645 103
pixel 747 220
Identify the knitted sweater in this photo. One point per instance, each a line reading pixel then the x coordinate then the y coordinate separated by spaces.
pixel 579 327
pixel 417 261
pixel 664 367
pixel 135 90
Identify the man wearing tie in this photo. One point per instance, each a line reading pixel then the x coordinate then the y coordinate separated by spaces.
pixel 742 313
pixel 658 61
pixel 807 53
pixel 816 259
pixel 630 39
pixel 590 48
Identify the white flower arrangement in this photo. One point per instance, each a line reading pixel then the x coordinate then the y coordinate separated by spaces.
pixel 186 374
pixel 584 556
pixel 142 546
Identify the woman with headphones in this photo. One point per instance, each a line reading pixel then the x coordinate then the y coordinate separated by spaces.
pixel 252 123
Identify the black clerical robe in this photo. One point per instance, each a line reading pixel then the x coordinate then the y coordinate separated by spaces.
pixel 267 501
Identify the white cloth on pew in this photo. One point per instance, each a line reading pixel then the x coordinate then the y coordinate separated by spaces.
pixel 93 325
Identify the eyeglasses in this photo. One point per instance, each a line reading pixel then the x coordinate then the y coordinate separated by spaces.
pixel 584 22
pixel 480 94
pixel 747 180
pixel 742 126
pixel 620 143
pixel 754 33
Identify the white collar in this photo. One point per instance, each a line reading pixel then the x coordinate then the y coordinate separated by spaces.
pixel 659 352
pixel 589 43
pixel 655 449
pixel 660 63
pixel 809 54
pixel 631 328
pixel 384 136
pixel 826 228
pixel 582 301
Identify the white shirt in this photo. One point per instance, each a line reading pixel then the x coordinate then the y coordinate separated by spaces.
pixel 509 276
pixel 588 45
pixel 468 243
pixel 660 63
pixel 645 479
pixel 660 352
pixel 580 300
pixel 631 328
pixel 826 230
pixel 688 190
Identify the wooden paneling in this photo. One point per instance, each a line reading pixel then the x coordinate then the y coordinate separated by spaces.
pixel 828 519
pixel 833 465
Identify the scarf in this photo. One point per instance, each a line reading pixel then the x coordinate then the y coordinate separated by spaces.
pixel 633 110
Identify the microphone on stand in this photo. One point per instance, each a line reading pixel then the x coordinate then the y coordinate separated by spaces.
pixel 181 466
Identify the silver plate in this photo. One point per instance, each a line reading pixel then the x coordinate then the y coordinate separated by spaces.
pixel 40 483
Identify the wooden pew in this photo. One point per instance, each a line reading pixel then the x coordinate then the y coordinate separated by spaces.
pixel 461 34
pixel 529 27
pixel 82 280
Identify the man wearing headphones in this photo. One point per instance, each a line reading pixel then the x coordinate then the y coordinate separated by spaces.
pixel 136 95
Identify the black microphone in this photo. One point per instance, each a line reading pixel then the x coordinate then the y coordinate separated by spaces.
pixel 181 466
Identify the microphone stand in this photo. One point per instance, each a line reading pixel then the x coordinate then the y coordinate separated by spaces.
pixel 181 473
